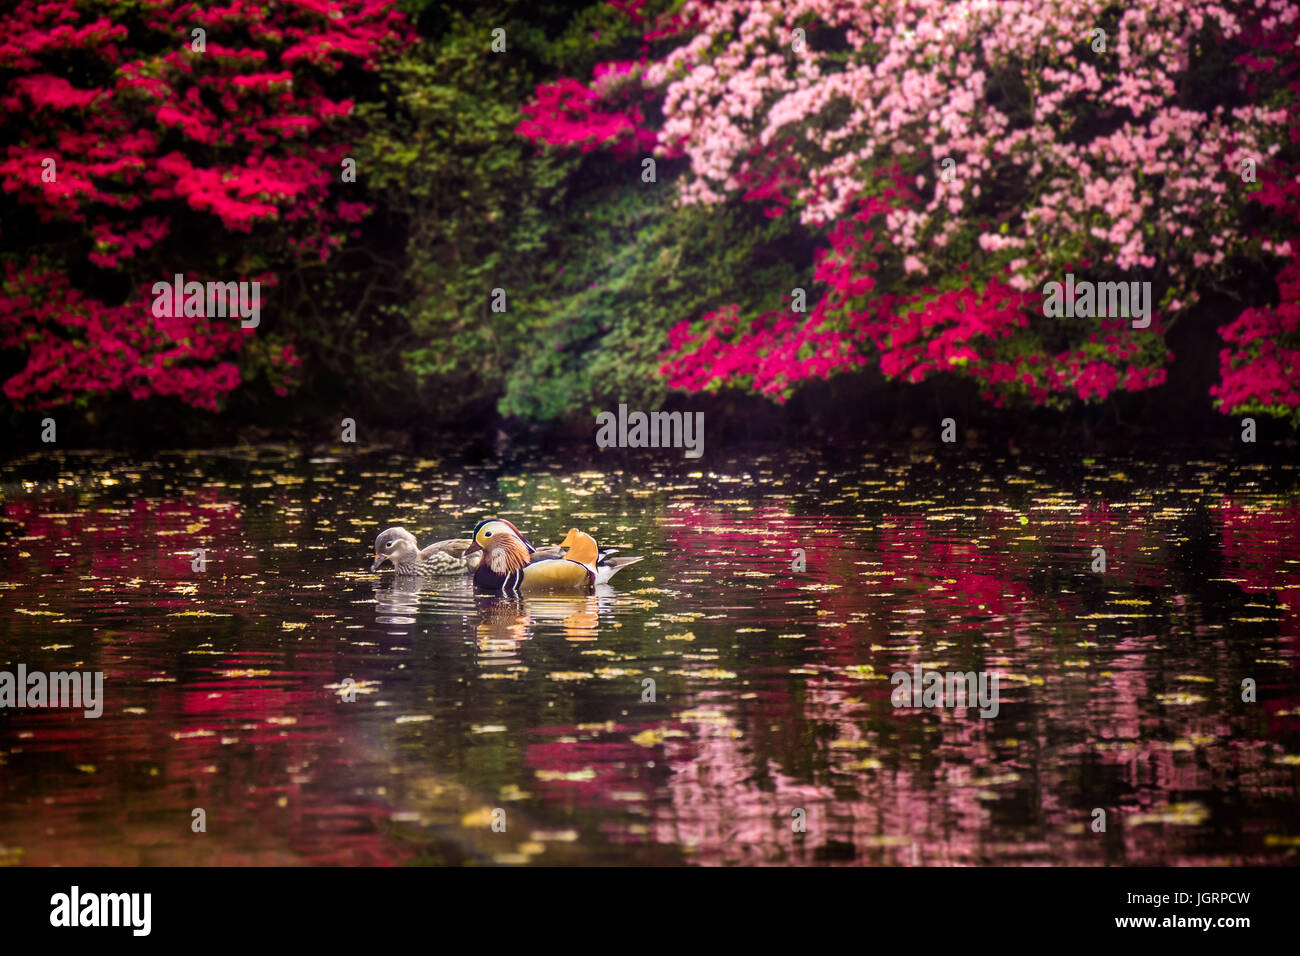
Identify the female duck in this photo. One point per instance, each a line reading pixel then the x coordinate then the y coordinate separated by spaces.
pixel 511 565
pixel 443 557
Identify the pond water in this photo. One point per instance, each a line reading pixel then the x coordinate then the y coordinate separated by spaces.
pixel 771 736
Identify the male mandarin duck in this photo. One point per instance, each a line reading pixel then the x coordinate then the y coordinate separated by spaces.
pixel 510 564
pixel 581 547
pixel 443 557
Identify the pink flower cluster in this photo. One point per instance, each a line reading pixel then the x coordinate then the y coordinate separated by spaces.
pixel 1062 156
pixel 925 80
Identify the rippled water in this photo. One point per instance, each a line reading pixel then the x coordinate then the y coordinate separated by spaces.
pixel 227 690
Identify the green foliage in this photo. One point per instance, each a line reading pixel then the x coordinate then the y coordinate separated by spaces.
pixel 636 265
pixel 471 199
pixel 596 265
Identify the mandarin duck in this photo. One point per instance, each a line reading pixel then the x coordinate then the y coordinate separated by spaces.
pixel 442 557
pixel 511 565
pixel 581 547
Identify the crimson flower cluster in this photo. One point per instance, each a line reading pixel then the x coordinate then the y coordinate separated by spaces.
pixel 1260 367
pixel 127 137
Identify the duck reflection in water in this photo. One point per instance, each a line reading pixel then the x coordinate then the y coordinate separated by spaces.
pixel 397 604
pixel 513 618
pixel 407 597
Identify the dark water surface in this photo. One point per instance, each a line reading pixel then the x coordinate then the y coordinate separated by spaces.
pixel 224 690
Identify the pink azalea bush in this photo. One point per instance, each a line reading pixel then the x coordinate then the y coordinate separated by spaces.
pixel 162 155
pixel 1065 157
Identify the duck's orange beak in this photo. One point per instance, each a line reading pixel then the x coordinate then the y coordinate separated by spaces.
pixel 473 546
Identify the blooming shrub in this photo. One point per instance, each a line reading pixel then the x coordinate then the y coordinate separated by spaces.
pixel 167 159
pixel 1066 156
pixel 1260 370
pixel 568 113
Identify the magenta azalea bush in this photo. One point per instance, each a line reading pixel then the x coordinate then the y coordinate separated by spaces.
pixel 1077 136
pixel 164 154
pixel 1260 368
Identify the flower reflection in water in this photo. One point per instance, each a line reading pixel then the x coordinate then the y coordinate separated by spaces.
pixel 683 713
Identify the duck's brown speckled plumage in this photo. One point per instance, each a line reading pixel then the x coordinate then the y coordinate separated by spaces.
pixel 440 558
